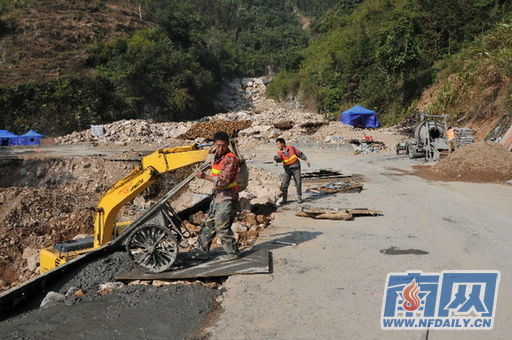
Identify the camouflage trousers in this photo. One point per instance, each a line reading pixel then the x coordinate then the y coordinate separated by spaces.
pixel 219 221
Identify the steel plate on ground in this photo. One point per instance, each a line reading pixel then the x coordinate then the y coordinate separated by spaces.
pixel 257 262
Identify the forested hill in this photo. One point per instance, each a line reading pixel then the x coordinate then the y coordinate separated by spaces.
pixel 394 56
pixel 79 62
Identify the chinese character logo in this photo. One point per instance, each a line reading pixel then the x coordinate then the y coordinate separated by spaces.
pixel 447 300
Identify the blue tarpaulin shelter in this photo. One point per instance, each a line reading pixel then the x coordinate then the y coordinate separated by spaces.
pixel 30 138
pixel 7 138
pixel 358 116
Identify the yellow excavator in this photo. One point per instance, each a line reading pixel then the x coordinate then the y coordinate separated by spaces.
pixel 152 240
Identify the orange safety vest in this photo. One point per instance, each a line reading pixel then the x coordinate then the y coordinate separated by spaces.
pixel 450 134
pixel 217 171
pixel 288 160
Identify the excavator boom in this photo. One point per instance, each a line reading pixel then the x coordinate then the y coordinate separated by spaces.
pixel 122 192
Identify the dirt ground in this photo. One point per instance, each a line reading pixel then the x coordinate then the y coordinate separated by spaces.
pixel 480 162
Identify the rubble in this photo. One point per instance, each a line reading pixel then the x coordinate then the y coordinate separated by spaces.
pixel 332 188
pixel 207 129
pixel 250 115
pixel 125 132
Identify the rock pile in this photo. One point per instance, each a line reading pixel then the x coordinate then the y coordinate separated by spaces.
pixel 247 226
pixel 135 131
pixel 256 119
pixel 207 129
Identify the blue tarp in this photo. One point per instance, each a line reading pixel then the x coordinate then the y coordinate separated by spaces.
pixel 30 138
pixel 7 138
pixel 358 116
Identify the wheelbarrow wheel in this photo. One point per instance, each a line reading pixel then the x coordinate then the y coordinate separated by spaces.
pixel 152 247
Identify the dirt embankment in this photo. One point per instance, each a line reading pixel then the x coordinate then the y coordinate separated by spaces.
pixel 44 201
pixel 477 162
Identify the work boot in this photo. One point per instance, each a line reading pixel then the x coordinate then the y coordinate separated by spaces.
pixel 199 254
pixel 227 257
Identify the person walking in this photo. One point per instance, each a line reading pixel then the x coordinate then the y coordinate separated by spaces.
pixel 451 134
pixel 289 156
pixel 223 174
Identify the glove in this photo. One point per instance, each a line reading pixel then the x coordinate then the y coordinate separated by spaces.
pixel 308 163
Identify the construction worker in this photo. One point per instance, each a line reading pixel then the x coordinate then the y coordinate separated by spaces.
pixel 451 134
pixel 290 156
pixel 223 174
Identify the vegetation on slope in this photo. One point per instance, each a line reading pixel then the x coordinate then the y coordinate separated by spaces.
pixel 68 64
pixel 385 53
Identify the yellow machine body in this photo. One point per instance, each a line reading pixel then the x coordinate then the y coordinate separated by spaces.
pixel 50 257
pixel 122 192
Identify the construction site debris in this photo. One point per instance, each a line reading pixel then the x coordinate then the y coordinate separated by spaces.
pixel 246 101
pixel 207 129
pixel 337 133
pixel 506 141
pixel 284 125
pixel 332 188
pixel 51 298
pixel 323 174
pixel 465 136
pixel 125 132
pixel 477 162
pixel 500 128
pixel 336 214
pixel 312 127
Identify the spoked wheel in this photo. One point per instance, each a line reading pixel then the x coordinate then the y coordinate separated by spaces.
pixel 153 248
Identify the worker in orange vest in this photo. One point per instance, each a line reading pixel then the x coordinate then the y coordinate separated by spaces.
pixel 451 134
pixel 289 156
pixel 223 174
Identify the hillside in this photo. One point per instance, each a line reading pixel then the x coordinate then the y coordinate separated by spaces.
pixel 393 56
pixel 474 86
pixel 47 38
pixel 83 62
pixel 77 63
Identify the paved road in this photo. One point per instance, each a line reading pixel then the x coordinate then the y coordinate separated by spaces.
pixel 330 285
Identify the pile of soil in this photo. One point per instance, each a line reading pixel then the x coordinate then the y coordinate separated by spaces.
pixel 477 162
pixel 207 129
pixel 36 218
pixel 284 125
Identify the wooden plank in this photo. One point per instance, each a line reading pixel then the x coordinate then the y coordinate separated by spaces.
pixel 334 216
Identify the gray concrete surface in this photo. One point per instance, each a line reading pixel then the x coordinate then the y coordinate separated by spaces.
pixel 330 285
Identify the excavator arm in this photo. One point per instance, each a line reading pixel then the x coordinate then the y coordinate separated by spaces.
pixel 128 188
pixel 122 192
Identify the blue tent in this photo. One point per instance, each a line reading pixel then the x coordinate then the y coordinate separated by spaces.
pixel 7 138
pixel 358 116
pixel 30 138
